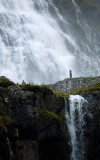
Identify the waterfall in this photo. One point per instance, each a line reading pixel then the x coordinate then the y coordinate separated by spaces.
pixel 10 150
pixel 82 22
pixel 32 43
pixel 37 42
pixel 11 155
pixel 91 45
pixel 75 119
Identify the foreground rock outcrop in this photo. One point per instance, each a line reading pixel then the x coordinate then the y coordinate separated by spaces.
pixel 36 129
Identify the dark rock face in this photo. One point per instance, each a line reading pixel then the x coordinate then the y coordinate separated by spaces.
pixel 33 134
pixel 3 146
pixel 93 127
pixel 27 150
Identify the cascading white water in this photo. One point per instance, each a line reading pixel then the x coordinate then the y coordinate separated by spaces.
pixel 75 119
pixel 11 156
pixel 34 46
pixel 89 48
pixel 10 151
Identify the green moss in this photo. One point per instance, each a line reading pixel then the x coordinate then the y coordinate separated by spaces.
pixel 36 88
pixel 61 116
pixel 67 97
pixel 6 82
pixel 84 90
pixel 77 91
pixel 47 115
pixel 41 88
pixel 91 88
pixel 4 119
pixel 50 116
pixel 58 94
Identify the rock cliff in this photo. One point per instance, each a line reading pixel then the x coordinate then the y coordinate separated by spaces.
pixel 33 125
pixel 36 128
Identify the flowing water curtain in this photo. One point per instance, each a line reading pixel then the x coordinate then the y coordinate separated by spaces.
pixel 89 46
pixel 32 42
pixel 36 43
pixel 76 117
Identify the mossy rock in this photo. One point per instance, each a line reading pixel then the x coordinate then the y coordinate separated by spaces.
pixel 5 82
pixel 4 119
pixel 41 88
pixel 61 115
pixel 58 94
pixel 35 88
pixel 84 90
pixel 47 115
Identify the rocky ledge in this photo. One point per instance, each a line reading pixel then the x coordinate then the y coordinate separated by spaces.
pixel 70 84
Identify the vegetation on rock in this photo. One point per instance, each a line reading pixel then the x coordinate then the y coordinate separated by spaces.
pixel 31 87
pixel 4 119
pixel 48 115
pixel 4 82
pixel 84 90
pixel 58 94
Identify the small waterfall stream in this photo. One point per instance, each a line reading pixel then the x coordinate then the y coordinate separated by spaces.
pixel 10 150
pixel 11 156
pixel 75 119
